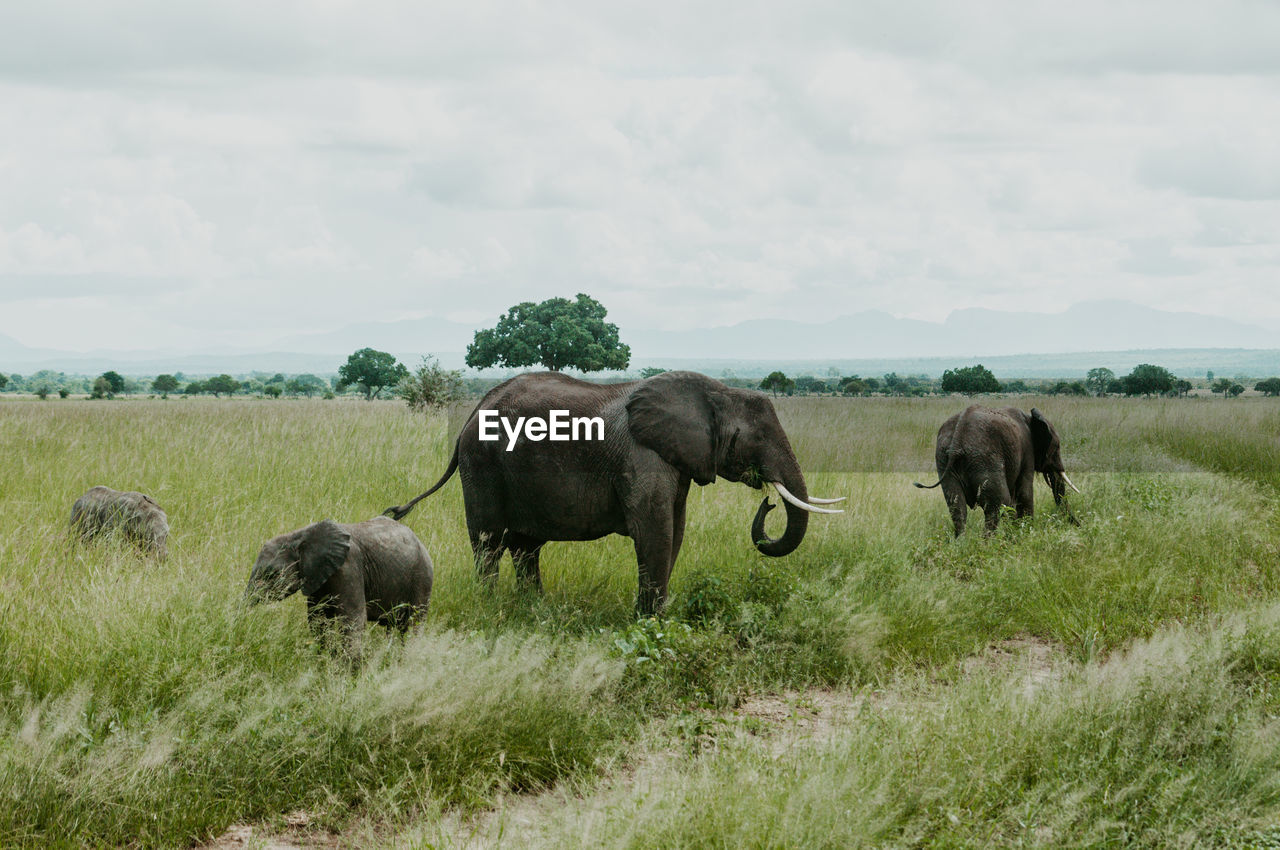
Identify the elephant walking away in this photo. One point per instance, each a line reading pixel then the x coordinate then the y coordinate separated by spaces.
pixel 990 457
pixel 135 515
pixel 629 476
pixel 376 570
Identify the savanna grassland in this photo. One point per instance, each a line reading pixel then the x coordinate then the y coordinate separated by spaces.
pixel 1115 683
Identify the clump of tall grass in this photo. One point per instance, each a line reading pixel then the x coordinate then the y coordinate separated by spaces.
pixel 1170 742
pixel 444 719
pixel 139 704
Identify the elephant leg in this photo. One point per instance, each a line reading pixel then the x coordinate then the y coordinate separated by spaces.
pixel 320 616
pixel 354 614
pixel 525 552
pixel 1026 497
pixel 653 541
pixel 992 497
pixel 402 617
pixel 953 492
pixel 486 525
pixel 488 549
pixel 677 524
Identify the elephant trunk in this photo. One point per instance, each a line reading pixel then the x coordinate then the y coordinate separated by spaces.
pixel 797 518
pixel 1056 485
pixel 1057 482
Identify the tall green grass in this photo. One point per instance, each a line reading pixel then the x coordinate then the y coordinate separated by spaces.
pixel 1171 743
pixel 141 704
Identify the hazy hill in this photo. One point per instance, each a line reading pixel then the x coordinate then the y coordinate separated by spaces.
pixel 1116 334
pixel 1089 326
pixel 1092 326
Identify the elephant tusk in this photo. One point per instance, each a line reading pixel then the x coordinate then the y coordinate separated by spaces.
pixel 826 501
pixel 1068 480
pixel 804 506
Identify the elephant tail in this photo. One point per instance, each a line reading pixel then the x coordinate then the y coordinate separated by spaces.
pixel 951 459
pixel 399 512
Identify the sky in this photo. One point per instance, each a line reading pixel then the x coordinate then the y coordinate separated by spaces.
pixel 205 175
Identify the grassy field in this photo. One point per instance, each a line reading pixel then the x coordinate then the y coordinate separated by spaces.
pixel 142 705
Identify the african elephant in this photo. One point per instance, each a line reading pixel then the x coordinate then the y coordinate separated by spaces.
pixel 373 570
pixel 135 515
pixel 990 457
pixel 628 471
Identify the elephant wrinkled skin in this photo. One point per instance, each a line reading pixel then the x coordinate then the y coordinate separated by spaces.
pixel 660 434
pixel 376 570
pixel 135 515
pixel 990 457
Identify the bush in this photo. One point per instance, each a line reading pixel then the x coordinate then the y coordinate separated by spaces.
pixel 431 386
pixel 970 380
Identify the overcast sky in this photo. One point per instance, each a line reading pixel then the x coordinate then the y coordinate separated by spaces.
pixel 205 174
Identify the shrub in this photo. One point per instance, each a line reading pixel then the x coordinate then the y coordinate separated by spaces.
pixel 431 386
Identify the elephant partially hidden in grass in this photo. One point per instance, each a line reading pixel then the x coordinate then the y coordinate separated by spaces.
pixel 990 457
pixel 654 438
pixel 135 515
pixel 349 573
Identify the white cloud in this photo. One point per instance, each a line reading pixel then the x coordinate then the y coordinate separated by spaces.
pixel 687 164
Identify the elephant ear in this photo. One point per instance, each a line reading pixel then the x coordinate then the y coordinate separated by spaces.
pixel 322 549
pixel 1041 438
pixel 675 414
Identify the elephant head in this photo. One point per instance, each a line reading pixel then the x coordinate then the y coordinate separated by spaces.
pixel 300 560
pixel 1048 455
pixel 707 430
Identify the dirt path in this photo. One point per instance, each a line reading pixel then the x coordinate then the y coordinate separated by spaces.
pixel 776 721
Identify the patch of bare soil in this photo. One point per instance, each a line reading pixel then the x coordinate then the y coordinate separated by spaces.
pixel 522 814
pixel 1036 658
pixel 297 834
pixel 800 718
pixel 778 722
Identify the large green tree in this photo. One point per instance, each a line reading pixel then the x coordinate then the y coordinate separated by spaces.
pixel 3 380
pixel 558 333
pixel 1147 379
pixel 1269 386
pixel 372 371
pixel 970 380
pixel 115 380
pixel 1099 379
pixel 777 383
pixel 220 384
pixel 164 384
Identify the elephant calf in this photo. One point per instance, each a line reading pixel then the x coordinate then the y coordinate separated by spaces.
pixel 135 515
pixel 352 573
pixel 990 457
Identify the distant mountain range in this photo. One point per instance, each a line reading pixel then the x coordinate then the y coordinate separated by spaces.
pixel 1089 326
pixel 1117 334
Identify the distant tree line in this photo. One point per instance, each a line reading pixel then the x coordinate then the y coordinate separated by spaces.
pixel 1146 379
pixel 373 374
pixel 111 384
pixel 560 333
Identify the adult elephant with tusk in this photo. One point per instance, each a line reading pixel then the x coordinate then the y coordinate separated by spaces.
pixel 990 457
pixel 626 471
